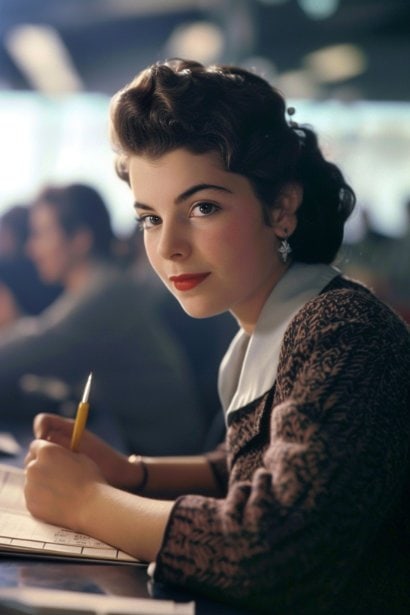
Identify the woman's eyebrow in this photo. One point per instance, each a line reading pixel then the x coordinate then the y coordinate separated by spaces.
pixel 186 194
pixel 138 205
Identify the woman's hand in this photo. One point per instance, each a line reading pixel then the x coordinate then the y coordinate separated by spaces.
pixel 67 489
pixel 114 467
pixel 59 484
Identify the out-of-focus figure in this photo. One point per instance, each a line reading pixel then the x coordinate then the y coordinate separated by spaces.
pixel 22 292
pixel 14 232
pixel 103 322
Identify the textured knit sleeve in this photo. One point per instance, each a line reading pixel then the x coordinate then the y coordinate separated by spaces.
pixel 292 525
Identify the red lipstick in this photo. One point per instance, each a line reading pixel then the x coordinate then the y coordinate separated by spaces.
pixel 187 281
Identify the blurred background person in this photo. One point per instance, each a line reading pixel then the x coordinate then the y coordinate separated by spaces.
pixel 22 291
pixel 14 231
pixel 103 322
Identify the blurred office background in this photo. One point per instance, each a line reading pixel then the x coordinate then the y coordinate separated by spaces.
pixel 343 64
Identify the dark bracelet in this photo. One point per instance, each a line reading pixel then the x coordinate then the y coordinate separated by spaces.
pixel 139 459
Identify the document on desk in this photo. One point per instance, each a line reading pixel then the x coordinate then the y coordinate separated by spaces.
pixel 20 533
pixel 35 601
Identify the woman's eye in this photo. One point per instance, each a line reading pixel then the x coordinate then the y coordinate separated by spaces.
pixel 204 209
pixel 146 222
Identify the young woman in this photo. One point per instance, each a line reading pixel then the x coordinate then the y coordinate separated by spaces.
pixel 301 510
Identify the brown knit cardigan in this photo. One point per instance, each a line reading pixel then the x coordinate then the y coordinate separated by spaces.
pixel 314 514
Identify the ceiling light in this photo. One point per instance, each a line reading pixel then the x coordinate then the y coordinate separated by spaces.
pixel 319 9
pixel 336 63
pixel 201 41
pixel 42 56
pixel 297 84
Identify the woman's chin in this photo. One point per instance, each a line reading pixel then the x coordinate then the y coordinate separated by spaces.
pixel 196 310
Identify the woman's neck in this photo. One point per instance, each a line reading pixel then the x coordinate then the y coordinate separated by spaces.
pixel 248 313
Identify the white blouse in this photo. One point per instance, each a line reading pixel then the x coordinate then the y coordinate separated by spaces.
pixel 248 369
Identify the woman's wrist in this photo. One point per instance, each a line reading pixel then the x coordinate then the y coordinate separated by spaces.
pixel 140 475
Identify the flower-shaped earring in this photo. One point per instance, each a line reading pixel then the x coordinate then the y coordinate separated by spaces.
pixel 284 249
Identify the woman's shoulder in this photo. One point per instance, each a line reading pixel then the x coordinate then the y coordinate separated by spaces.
pixel 347 304
pixel 351 300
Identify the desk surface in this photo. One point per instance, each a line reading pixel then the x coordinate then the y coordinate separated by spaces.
pixel 121 580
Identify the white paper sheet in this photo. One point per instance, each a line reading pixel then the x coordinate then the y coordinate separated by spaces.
pixel 20 532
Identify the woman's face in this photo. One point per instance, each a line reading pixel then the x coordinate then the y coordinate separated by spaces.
pixel 204 234
pixel 50 248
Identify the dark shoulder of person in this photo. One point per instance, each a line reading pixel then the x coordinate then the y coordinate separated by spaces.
pixel 30 292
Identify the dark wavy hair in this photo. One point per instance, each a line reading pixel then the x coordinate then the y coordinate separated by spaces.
pixel 79 206
pixel 182 104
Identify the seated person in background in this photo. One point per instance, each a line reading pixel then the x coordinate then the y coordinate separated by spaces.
pixel 22 291
pixel 103 322
pixel 14 232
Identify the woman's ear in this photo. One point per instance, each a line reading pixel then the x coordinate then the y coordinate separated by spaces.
pixel 284 219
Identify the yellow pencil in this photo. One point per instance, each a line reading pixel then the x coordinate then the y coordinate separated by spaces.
pixel 81 416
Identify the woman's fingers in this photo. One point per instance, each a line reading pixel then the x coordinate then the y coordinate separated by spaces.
pixel 51 426
pixel 57 481
pixel 58 430
pixel 36 449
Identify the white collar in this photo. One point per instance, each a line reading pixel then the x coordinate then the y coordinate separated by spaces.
pixel 248 369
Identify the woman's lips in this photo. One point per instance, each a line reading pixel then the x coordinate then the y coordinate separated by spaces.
pixel 187 281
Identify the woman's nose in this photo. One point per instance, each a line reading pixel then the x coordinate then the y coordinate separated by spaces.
pixel 174 242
